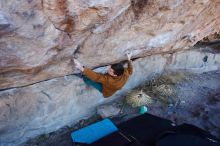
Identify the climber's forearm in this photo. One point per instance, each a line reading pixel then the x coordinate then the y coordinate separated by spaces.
pixel 130 68
pixel 96 77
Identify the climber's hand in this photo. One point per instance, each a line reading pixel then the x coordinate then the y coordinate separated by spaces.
pixel 78 65
pixel 129 54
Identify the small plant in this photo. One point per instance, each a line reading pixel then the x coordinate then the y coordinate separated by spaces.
pixel 138 98
pixel 164 90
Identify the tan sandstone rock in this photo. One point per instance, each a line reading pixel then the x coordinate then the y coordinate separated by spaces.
pixel 39 38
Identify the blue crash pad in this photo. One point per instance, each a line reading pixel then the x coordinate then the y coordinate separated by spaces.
pixel 94 132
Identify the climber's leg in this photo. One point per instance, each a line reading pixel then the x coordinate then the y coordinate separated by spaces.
pixel 96 85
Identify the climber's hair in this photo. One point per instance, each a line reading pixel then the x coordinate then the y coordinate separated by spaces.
pixel 118 69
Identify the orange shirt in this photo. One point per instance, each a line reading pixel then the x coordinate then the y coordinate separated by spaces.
pixel 109 83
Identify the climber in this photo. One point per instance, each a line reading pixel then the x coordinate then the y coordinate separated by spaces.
pixel 110 82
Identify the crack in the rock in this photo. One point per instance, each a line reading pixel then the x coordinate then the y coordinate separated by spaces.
pixel 18 87
pixel 103 65
pixel 48 95
pixel 142 55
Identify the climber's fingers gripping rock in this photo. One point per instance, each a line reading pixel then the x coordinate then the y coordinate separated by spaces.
pixel 78 65
pixel 129 54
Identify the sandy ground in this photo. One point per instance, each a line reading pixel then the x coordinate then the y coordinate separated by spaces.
pixel 180 97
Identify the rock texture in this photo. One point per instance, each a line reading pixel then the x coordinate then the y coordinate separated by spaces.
pixel 108 110
pixel 39 38
pixel 38 94
pixel 46 106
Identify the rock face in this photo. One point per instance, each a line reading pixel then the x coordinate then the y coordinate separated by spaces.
pixel 39 38
pixel 38 94
pixel 49 105
pixel 106 111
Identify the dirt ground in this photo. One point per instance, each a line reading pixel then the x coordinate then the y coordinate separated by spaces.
pixel 180 97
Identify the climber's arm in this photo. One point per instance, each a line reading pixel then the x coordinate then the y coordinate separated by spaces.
pixel 130 68
pixel 96 77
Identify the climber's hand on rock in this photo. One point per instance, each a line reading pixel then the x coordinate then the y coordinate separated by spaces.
pixel 129 54
pixel 78 65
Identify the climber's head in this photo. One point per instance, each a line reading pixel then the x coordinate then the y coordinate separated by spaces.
pixel 116 70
